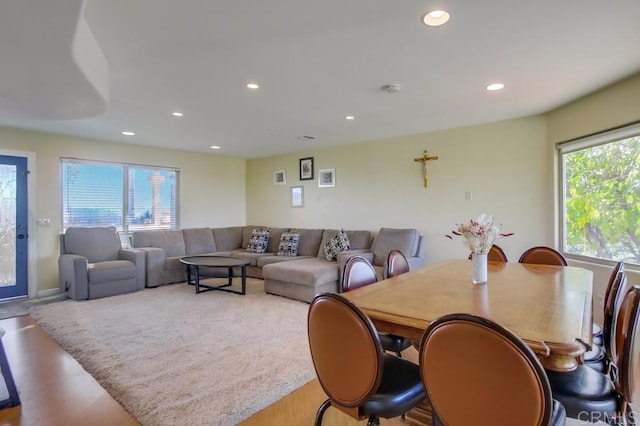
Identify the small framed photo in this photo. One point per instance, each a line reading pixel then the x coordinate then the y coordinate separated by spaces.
pixel 280 177
pixel 297 196
pixel 327 177
pixel 306 168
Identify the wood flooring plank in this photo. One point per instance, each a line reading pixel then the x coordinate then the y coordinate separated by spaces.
pixel 54 388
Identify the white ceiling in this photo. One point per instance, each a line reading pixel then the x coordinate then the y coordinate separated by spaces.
pixel 315 60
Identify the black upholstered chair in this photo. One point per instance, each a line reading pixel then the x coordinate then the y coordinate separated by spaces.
pixel 589 395
pixel 597 328
pixel 13 399
pixel 599 356
pixel 477 372
pixel 358 272
pixel 357 376
pixel 543 256
pixel 496 254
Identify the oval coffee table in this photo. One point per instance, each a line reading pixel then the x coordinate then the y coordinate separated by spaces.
pixel 194 263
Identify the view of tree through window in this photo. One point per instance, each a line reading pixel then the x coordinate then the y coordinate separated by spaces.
pixel 126 196
pixel 602 200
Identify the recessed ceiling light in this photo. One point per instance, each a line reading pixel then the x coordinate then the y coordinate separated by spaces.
pixel 127 133
pixel 495 86
pixel 177 114
pixel 253 86
pixel 214 147
pixel 349 117
pixel 435 18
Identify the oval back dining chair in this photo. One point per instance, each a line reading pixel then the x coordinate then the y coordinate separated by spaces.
pixel 496 254
pixel 543 256
pixel 358 272
pixel 396 264
pixel 590 395
pixel 354 372
pixel 477 372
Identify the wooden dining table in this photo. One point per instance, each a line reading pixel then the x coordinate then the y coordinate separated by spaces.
pixel 549 307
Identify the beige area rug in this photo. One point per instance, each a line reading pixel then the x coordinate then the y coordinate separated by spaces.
pixel 172 357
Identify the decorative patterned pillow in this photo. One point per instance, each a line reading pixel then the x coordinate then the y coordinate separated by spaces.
pixel 335 245
pixel 258 241
pixel 288 244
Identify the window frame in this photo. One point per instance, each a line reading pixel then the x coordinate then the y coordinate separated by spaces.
pixel 574 145
pixel 125 232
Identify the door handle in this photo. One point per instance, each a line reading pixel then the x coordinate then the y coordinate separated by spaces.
pixel 20 236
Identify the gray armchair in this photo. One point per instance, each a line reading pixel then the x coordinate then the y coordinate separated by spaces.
pixel 93 264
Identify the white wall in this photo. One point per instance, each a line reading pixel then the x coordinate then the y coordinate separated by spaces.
pixel 506 165
pixel 212 188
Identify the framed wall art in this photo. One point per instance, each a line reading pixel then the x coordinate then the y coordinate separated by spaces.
pixel 297 196
pixel 280 177
pixel 306 168
pixel 327 177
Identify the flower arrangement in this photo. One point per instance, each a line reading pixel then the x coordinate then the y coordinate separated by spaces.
pixel 479 234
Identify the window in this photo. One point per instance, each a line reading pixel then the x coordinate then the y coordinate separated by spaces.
pixel 600 192
pixel 129 197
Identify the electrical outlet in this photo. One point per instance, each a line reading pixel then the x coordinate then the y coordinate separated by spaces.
pixel 467 195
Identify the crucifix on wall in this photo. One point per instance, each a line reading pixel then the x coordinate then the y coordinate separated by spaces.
pixel 424 159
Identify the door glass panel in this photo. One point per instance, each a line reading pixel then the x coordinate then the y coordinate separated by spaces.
pixel 8 207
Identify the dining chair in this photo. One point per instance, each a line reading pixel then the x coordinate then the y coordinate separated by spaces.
pixel 543 256
pixel 358 272
pixel 589 395
pixel 353 370
pixel 396 264
pixel 477 372
pixel 597 328
pixel 599 356
pixel 495 254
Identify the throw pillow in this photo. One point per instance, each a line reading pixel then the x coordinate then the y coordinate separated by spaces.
pixel 335 245
pixel 288 244
pixel 258 241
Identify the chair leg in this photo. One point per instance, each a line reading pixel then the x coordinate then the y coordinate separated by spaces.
pixel 320 414
pixel 373 421
pixel 399 354
pixel 14 399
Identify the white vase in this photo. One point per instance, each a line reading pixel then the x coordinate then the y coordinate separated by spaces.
pixel 479 267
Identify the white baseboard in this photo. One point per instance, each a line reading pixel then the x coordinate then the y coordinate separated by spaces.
pixel 48 293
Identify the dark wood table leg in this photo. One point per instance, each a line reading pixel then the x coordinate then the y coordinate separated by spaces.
pixel 244 279
pixel 197 278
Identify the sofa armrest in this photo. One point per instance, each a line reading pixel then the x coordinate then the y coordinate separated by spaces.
pixel 136 256
pixel 154 258
pixel 73 277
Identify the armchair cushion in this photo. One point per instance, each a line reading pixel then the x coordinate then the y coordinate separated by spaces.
pixel 99 245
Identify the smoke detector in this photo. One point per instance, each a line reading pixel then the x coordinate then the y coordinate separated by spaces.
pixel 391 88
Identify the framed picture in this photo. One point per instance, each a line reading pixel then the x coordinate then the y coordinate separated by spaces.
pixel 327 177
pixel 280 177
pixel 297 196
pixel 306 168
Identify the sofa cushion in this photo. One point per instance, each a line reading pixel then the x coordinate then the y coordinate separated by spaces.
pixel 405 240
pixel 358 240
pixel 96 244
pixel 267 259
pixel 309 241
pixel 111 270
pixel 337 243
pixel 229 238
pixel 259 241
pixel 170 240
pixel 249 256
pixel 288 244
pixel 309 272
pixel 274 239
pixel 198 241
pixel 246 235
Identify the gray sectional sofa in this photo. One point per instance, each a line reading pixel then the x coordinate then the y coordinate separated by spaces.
pixel 298 277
